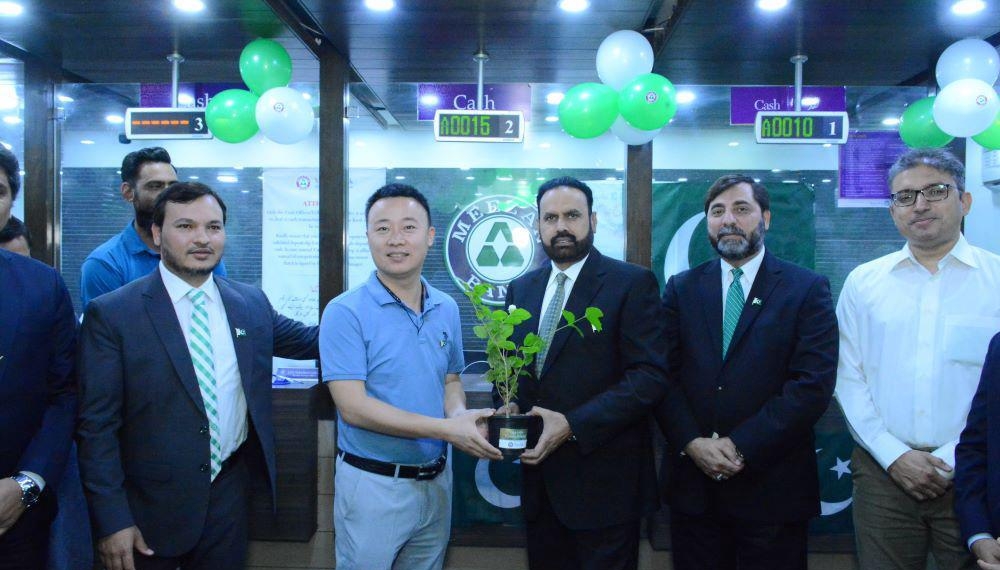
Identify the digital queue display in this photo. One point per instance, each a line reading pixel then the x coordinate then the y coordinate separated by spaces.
pixel 801 127
pixel 166 123
pixel 478 126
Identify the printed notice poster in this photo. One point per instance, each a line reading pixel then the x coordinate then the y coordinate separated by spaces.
pixel 864 163
pixel 290 250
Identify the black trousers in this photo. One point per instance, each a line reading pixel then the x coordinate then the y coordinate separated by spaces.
pixel 554 546
pixel 25 546
pixel 224 540
pixel 706 542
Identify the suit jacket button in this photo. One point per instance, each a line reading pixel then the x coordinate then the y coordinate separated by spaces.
pixel 203 468
pixel 203 430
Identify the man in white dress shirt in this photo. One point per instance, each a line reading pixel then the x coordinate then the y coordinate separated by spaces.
pixel 914 328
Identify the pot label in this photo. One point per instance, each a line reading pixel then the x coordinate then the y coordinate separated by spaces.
pixel 511 438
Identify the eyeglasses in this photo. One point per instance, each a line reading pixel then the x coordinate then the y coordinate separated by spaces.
pixel 932 193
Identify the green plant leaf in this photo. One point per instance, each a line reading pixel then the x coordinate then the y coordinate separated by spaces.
pixel 479 331
pixel 532 339
pixel 507 345
pixel 593 316
pixel 517 316
pixel 570 317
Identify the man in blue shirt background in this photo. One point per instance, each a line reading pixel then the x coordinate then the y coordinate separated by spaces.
pixel 131 254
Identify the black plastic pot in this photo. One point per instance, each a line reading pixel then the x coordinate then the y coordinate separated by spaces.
pixel 514 433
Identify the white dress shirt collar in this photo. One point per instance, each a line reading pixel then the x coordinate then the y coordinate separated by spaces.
pixel 572 272
pixel 178 288
pixel 750 269
pixel 962 252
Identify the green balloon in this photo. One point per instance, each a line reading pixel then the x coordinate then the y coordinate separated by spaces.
pixel 990 138
pixel 265 64
pixel 588 109
pixel 917 127
pixel 231 115
pixel 648 101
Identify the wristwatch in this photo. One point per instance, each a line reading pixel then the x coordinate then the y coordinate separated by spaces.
pixel 29 490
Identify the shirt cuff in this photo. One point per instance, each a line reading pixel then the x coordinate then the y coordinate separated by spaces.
pixel 976 537
pixel 886 449
pixel 36 478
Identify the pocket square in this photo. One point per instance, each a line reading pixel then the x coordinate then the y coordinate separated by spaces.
pixel 240 333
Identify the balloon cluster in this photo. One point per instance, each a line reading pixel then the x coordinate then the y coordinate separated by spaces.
pixel 270 106
pixel 967 104
pixel 631 101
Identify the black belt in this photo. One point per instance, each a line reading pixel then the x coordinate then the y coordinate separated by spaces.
pixel 418 472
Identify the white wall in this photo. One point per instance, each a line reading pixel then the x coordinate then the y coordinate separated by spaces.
pixel 982 225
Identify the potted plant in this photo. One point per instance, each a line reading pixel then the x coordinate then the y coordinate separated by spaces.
pixel 507 362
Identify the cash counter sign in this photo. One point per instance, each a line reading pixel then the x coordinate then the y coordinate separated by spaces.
pixel 492 240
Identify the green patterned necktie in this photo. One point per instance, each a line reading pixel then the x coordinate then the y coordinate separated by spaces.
pixel 200 345
pixel 549 320
pixel 734 306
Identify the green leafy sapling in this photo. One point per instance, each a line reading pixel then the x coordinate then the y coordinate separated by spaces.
pixel 506 360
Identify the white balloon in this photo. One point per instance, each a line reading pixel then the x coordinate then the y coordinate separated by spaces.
pixel 965 107
pixel 284 116
pixel 623 55
pixel 968 59
pixel 631 135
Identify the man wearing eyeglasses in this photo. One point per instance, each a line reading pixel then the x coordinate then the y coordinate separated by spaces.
pixel 914 329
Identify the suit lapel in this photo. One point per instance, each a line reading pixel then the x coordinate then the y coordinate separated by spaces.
pixel 10 310
pixel 588 283
pixel 239 325
pixel 711 302
pixel 161 313
pixel 763 285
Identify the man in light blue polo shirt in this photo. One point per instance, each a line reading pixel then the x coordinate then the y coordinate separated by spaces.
pixel 131 254
pixel 391 351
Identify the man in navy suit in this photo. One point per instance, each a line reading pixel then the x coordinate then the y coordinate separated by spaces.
pixel 590 478
pixel 977 467
pixel 37 392
pixel 752 350
pixel 175 419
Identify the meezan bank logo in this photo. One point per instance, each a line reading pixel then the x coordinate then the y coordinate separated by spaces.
pixel 493 240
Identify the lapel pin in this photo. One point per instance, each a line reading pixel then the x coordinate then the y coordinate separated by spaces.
pixel 241 332
pixel 756 302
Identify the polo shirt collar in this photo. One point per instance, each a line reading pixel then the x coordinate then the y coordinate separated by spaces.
pixel 432 297
pixel 133 243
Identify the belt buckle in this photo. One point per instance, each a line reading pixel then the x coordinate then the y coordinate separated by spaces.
pixel 431 471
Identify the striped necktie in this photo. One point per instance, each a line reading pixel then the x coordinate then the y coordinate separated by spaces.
pixel 200 345
pixel 734 306
pixel 553 312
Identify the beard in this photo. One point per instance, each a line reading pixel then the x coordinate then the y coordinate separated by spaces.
pixel 178 268
pixel 144 217
pixel 738 250
pixel 572 253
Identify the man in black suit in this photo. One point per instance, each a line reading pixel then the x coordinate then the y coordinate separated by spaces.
pixel 752 350
pixel 590 478
pixel 37 392
pixel 175 419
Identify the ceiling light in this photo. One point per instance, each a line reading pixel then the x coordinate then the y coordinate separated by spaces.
pixel 470 177
pixel 684 97
pixel 244 191
pixel 890 121
pixel 826 181
pixel 551 119
pixel 540 178
pixel 827 145
pixel 228 178
pixel 771 5
pixel 574 5
pixel 734 143
pixel 430 99
pixel 185 99
pixel 967 7
pixel 810 101
pixel 682 179
pixel 12 119
pixel 189 5
pixel 380 5
pixel 193 177
pixel 554 98
pixel 775 170
pixel 115 119
pixel 11 9
pixel 789 181
pixel 400 177
pixel 64 98
pixel 86 141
